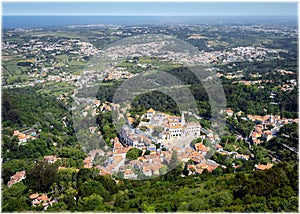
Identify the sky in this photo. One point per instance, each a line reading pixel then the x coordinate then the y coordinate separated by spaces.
pixel 152 8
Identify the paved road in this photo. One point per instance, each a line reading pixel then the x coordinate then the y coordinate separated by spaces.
pixel 290 148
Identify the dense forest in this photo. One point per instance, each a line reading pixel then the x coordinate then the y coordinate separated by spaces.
pixel 247 98
pixel 275 190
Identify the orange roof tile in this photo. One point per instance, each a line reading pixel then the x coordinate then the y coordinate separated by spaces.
pixel 201 147
pixel 16 132
pixel 22 136
pixel 264 167
pixel 130 120
pixel 43 197
pixel 34 196
pixel 151 110
pixel 117 158
pixel 121 150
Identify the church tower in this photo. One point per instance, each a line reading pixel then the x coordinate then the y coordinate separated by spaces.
pixel 182 119
pixel 271 118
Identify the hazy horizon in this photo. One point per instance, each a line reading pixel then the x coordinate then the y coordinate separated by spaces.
pixel 19 21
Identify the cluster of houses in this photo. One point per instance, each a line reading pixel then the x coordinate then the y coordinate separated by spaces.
pixel 88 161
pixel 41 200
pixel 42 47
pixel 62 77
pixel 267 126
pixel 155 162
pixel 173 127
pixel 47 63
pixel 289 85
pixel 118 73
pixel 249 53
pixel 25 136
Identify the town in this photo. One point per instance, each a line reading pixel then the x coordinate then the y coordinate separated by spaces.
pixel 69 145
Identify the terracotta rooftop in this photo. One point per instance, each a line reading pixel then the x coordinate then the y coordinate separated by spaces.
pixel 34 196
pixel 16 178
pixel 121 150
pixel 16 132
pixel 21 136
pixel 128 172
pixel 201 147
pixel 151 110
pixel 264 167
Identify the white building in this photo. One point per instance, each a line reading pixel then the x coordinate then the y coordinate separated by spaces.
pixel 150 113
pixel 192 129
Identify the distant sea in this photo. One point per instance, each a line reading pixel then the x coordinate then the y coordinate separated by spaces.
pixel 56 21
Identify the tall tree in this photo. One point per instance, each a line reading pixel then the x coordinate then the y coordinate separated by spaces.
pixel 41 176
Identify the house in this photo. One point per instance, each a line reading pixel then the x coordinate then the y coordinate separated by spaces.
pixel 118 160
pixel 94 152
pixel 192 129
pixel 88 163
pixel 256 141
pixel 147 171
pixel 258 128
pixel 263 167
pixel 16 132
pixel 239 113
pixel 92 129
pixel 210 167
pixel 196 157
pixel 255 135
pixel 242 156
pixel 121 151
pixel 51 159
pixel 130 120
pixel 136 164
pixel 267 135
pixel 22 138
pixel 152 148
pixel 43 199
pixel 142 159
pixel 150 113
pixel 96 103
pixel 201 148
pixel 218 147
pixel 184 157
pixel 229 112
pixel 257 118
pixel 102 170
pixel 129 174
pixel 155 169
pixel 174 130
pixel 19 176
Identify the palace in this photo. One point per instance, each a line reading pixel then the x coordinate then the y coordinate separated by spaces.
pixel 173 126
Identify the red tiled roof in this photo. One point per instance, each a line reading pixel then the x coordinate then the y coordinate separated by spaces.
pixel 151 110
pixel 121 150
pixel 264 167
pixel 16 178
pixel 201 147
pixel 34 196
pixel 22 136
pixel 43 198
